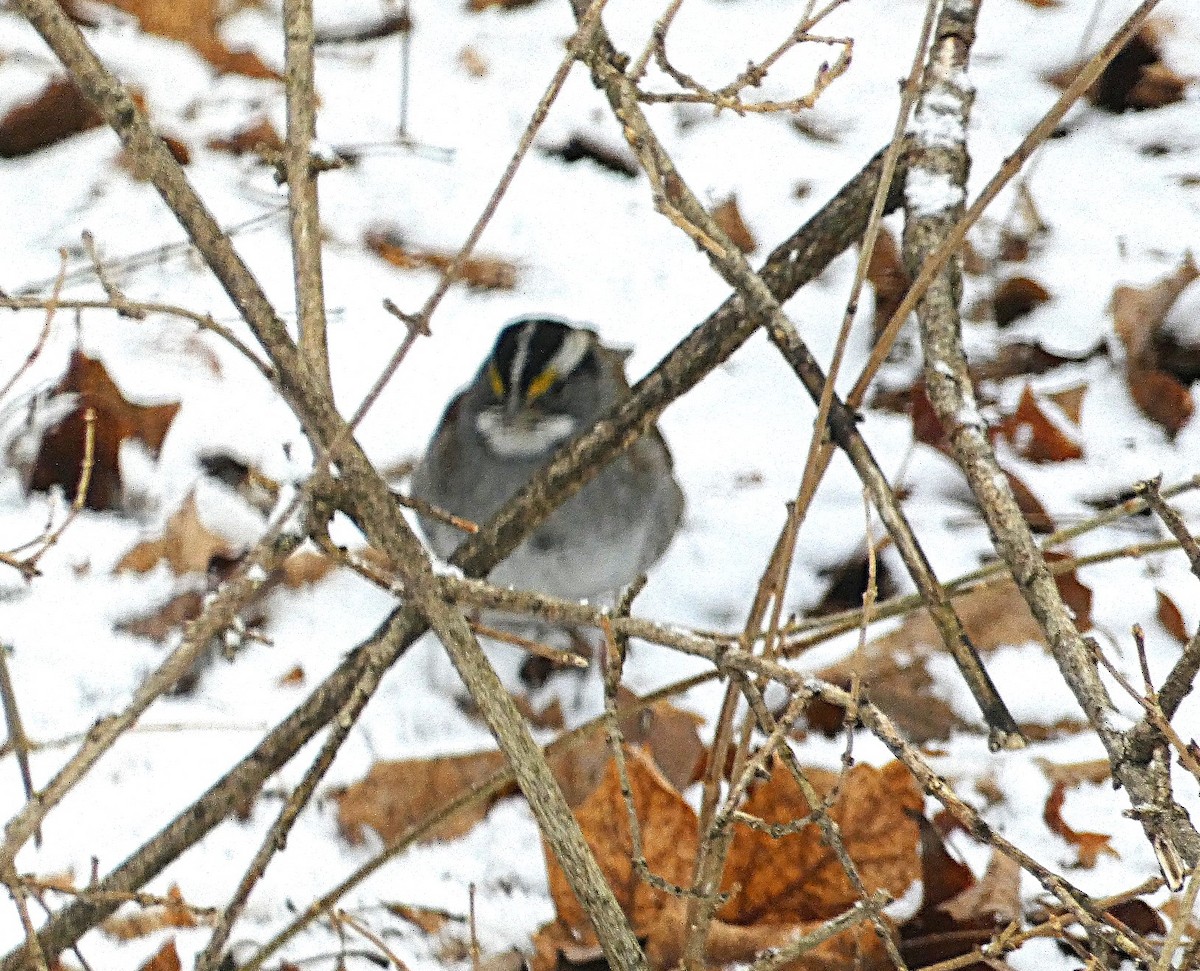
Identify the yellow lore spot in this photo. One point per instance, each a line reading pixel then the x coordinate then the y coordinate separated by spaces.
pixel 541 384
pixel 494 379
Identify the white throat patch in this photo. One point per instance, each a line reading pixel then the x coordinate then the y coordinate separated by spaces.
pixel 511 440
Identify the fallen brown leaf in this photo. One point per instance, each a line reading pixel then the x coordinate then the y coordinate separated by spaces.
pixel 170 617
pixel 1070 400
pixel 431 920
pixel 148 920
pixel 186 544
pixel 477 272
pixel 60 458
pixel 1068 774
pixel 396 795
pixel 1034 436
pixel 165 959
pixel 294 678
pixel 669 835
pixel 1089 846
pixel 888 278
pixel 58 111
pixel 669 839
pixel 1139 312
pixel 1138 316
pixel 1039 520
pixel 797 877
pixel 728 216
pixel 1171 619
pixel 1136 78
pixel 258 137
pixel 1016 297
pixel 194 22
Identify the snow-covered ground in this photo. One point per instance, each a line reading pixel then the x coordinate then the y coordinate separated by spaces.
pixel 1120 195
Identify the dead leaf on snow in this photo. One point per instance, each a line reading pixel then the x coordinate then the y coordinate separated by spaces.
pixel 57 112
pixel 165 959
pixel 888 278
pixel 148 920
pixel 1136 78
pixel 164 621
pixel 1034 436
pixel 478 272
pixel 1138 312
pixel 1138 315
pixel 186 544
pixel 1039 520
pixel 669 840
pixel 258 138
pixel 60 457
pixel 1089 846
pixel 669 835
pixel 195 23
pixel 1070 400
pixel 728 216
pixel 893 670
pixel 1016 297
pixel 1096 771
pixel 995 898
pixel 1162 399
pixel 1171 619
pixel 396 795
pixel 958 913
pixel 431 920
pixel 797 877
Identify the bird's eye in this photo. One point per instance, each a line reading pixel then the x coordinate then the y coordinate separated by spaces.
pixel 495 381
pixel 541 384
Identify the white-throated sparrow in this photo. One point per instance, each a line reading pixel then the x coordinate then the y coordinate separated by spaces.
pixel 544 382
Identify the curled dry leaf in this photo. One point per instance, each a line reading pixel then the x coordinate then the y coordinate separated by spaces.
pixel 186 544
pixel 1139 312
pixel 797 877
pixel 1070 400
pixel 1016 297
pixel 581 146
pixel 728 216
pixel 1162 398
pixel 888 278
pixel 669 836
pixel 1136 78
pixel 1034 436
pixel 1138 316
pixel 1089 846
pixel 958 913
pixel 478 272
pixel 259 138
pixel 431 920
pixel 195 23
pixel 1096 771
pixel 60 458
pixel 397 795
pixel 165 959
pixel 669 839
pixel 893 670
pixel 58 111
pixel 148 920
pixel 1039 520
pixel 1171 618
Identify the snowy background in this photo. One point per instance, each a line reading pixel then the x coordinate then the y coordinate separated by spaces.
pixel 1120 195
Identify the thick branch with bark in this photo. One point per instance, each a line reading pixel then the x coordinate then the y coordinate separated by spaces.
pixel 935 196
